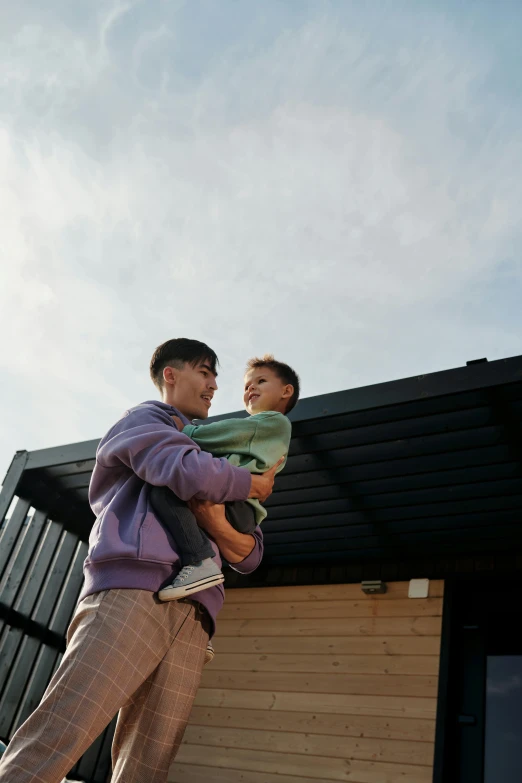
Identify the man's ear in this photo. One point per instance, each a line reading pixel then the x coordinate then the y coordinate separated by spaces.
pixel 170 376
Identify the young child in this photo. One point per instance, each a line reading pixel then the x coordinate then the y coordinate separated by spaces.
pixel 257 443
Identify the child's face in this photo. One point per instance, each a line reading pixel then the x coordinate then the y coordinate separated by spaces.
pixel 264 391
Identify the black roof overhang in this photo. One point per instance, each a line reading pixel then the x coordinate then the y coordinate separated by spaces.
pixel 409 468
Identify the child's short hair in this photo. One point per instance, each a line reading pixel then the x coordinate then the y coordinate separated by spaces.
pixel 283 371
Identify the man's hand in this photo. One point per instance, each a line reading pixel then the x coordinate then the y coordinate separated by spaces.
pixel 177 421
pixel 234 546
pixel 263 483
pixel 207 513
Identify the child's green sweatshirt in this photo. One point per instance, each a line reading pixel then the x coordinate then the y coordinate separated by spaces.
pixel 256 443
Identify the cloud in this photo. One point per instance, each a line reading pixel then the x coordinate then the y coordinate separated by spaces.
pixel 335 190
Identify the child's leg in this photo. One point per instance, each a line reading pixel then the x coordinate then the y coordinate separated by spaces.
pixel 199 570
pixel 174 514
pixel 241 516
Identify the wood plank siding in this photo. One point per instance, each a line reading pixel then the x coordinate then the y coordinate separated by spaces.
pixel 316 684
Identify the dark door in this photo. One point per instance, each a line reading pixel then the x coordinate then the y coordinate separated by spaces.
pixel 485 705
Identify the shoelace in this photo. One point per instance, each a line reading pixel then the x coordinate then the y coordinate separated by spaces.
pixel 185 573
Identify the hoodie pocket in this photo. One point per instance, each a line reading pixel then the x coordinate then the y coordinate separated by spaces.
pixel 155 542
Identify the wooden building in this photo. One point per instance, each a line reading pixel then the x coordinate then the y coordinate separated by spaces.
pixel 415 485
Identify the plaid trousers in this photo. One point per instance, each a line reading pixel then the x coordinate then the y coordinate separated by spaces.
pixel 126 651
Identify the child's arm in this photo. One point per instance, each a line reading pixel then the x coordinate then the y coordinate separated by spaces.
pixel 264 437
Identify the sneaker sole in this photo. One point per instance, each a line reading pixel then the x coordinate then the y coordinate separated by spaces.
pixel 174 593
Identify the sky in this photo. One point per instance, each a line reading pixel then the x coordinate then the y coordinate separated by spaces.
pixel 338 183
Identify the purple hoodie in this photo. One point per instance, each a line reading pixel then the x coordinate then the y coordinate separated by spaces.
pixel 128 547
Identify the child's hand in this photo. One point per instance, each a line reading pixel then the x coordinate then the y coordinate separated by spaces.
pixel 177 421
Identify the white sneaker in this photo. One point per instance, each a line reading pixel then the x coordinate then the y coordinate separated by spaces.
pixel 191 579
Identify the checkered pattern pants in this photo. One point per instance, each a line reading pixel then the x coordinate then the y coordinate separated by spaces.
pixel 127 652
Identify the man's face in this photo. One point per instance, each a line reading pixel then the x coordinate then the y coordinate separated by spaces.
pixel 265 391
pixel 193 390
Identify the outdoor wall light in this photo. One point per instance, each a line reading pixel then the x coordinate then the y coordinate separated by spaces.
pixel 373 587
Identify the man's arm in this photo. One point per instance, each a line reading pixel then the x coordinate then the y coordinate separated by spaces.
pixel 147 442
pixel 242 551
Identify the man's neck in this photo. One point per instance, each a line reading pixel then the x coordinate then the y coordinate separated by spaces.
pixel 172 402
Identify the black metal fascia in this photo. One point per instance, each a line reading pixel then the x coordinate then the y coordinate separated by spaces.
pixel 437 384
pixel 62 455
pixel 380 395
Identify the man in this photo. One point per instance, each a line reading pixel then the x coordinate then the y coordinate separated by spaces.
pixel 127 651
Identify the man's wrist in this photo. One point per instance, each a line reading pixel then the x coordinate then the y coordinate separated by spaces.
pixel 233 545
pixel 246 483
pixel 254 488
pixel 247 551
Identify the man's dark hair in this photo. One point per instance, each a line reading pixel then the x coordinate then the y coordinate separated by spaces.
pixel 176 353
pixel 283 371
